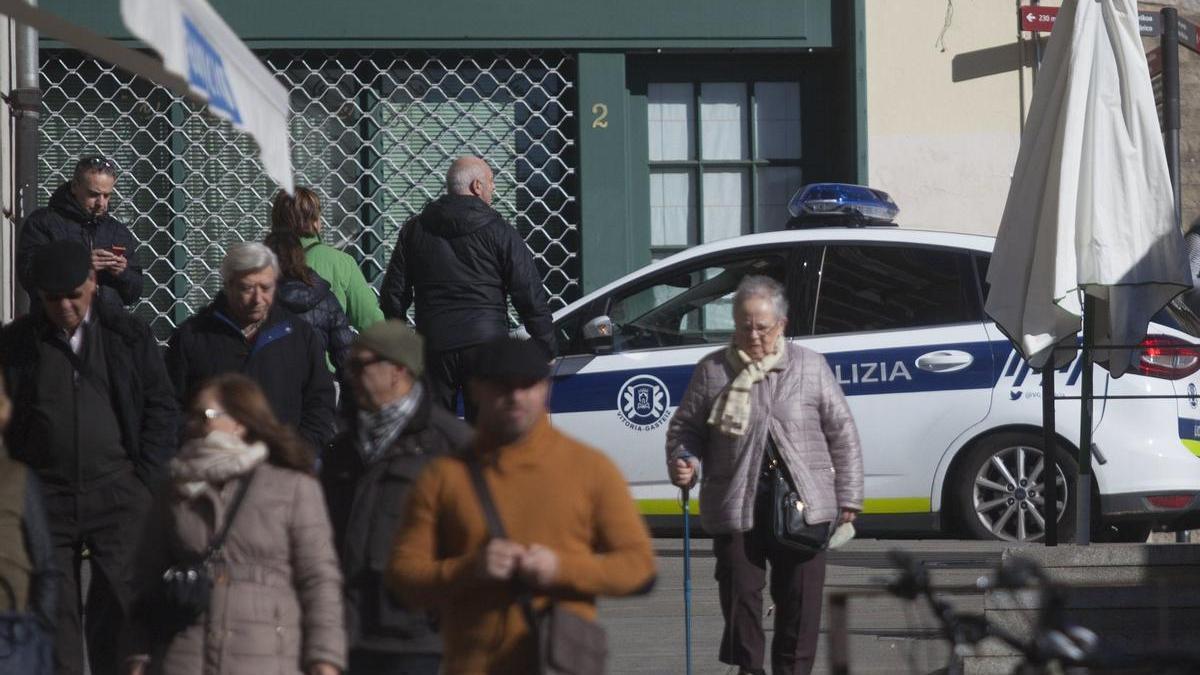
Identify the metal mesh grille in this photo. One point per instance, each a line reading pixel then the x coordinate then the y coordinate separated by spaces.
pixel 373 132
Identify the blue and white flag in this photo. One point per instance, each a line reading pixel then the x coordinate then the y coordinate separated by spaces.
pixel 197 45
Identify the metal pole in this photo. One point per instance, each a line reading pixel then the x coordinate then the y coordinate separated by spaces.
pixel 1020 71
pixel 1169 45
pixel 1170 83
pixel 1050 458
pixel 26 108
pixel 1083 486
pixel 687 579
pixel 1037 50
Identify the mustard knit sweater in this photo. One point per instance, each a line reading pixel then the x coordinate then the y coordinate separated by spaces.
pixel 549 489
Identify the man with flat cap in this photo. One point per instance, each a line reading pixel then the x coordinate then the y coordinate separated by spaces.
pixel 571 531
pixel 395 432
pixel 95 418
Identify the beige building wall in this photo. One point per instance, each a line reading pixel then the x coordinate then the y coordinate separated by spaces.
pixel 944 150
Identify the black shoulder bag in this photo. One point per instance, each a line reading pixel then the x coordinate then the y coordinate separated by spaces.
pixel 186 589
pixel 567 644
pixel 787 511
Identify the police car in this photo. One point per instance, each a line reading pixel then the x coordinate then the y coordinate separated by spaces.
pixel 949 414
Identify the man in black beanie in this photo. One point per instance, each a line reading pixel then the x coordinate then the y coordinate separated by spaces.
pixel 95 418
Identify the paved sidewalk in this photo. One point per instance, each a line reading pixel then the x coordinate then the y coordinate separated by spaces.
pixel 646 634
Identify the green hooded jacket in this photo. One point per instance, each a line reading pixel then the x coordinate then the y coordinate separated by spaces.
pixel 346 280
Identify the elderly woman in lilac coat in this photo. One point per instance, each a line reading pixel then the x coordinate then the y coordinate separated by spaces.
pixel 762 390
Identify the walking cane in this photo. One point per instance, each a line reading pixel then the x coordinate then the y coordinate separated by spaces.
pixel 687 579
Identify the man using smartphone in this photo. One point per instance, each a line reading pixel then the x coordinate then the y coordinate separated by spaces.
pixel 78 211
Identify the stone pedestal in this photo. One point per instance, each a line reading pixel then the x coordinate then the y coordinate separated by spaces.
pixel 1134 596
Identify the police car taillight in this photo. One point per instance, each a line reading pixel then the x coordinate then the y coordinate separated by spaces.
pixel 1167 357
pixel 841 204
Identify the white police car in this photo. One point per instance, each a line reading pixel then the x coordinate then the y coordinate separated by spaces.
pixel 950 416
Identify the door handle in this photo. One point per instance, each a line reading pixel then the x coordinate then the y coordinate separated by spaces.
pixel 945 361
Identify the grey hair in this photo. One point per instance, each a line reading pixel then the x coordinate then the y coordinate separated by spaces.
pixel 463 173
pixel 247 256
pixel 760 286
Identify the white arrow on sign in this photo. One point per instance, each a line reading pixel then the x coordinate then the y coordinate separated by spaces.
pixel 1030 17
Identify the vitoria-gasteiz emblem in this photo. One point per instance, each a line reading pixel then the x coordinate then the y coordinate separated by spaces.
pixel 642 402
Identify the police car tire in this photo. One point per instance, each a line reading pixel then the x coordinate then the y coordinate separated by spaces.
pixel 1004 445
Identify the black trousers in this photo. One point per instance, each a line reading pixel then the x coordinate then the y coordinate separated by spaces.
pixel 447 374
pixel 364 662
pixel 106 518
pixel 796 589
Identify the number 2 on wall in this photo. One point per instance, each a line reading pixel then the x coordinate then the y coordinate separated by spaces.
pixel 600 110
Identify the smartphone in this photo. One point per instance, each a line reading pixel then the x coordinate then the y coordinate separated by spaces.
pixel 118 249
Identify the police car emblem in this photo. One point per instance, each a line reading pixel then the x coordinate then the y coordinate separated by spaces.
pixel 642 402
pixel 1192 394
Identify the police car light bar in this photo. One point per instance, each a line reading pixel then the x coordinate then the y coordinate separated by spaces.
pixel 841 204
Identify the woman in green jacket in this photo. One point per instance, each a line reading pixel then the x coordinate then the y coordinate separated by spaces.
pixel 302 214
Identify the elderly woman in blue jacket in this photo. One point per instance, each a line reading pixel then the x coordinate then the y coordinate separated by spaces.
pixel 762 390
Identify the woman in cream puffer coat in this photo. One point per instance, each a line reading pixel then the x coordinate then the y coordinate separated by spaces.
pixel 276 605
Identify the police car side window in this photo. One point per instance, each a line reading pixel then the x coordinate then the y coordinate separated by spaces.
pixel 872 288
pixel 688 306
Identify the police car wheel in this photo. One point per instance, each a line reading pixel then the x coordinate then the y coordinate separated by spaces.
pixel 1001 490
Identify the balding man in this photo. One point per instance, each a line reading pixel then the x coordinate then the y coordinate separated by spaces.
pixel 461 262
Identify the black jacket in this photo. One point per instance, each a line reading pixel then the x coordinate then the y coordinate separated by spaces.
pixel 287 359
pixel 65 219
pixel 317 305
pixel 461 262
pixel 366 506
pixel 141 392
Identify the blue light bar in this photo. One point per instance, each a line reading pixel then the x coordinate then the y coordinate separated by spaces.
pixel 843 199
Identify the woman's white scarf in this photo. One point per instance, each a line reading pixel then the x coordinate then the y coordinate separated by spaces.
pixel 731 411
pixel 213 459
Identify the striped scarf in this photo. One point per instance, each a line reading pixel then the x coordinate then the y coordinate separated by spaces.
pixel 731 411
pixel 378 430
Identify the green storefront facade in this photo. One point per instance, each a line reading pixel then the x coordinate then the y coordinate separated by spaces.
pixel 643 126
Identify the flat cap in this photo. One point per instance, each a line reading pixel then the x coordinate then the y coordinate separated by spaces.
pixel 395 341
pixel 512 359
pixel 61 266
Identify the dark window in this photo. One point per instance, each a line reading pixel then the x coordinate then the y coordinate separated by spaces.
pixel 872 288
pixel 981 265
pixel 691 305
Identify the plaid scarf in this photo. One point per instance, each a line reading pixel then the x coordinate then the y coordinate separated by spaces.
pixel 731 411
pixel 378 430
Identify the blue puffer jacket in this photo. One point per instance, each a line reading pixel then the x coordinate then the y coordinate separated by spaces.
pixel 318 306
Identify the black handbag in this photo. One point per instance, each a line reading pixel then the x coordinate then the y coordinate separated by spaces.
pixel 185 590
pixel 567 644
pixel 787 511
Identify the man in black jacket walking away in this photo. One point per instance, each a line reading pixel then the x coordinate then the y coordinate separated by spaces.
pixel 461 263
pixel 367 476
pixel 244 330
pixel 78 211
pixel 95 418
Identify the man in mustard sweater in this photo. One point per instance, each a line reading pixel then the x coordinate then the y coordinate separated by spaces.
pixel 573 532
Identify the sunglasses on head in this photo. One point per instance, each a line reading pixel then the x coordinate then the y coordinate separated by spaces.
pixel 97 162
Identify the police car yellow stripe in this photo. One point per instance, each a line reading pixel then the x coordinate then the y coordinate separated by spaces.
pixel 1192 445
pixel 884 505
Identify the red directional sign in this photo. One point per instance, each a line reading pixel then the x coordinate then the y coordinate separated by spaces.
pixel 1154 61
pixel 1038 19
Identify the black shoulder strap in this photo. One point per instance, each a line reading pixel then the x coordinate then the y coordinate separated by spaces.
pixel 496 529
pixel 490 514
pixel 218 541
